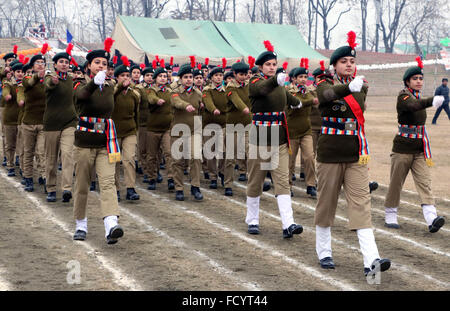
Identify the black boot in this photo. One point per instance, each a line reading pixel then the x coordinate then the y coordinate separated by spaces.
pixel 206 175
pixel 11 172
pixel 293 177
pixel 185 172
pixel 266 186
pixel 159 179
pixel 213 184
pixel 302 176
pixel 118 196
pixel 17 161
pixel 132 195
pixel 59 167
pixel 41 181
pixel 242 177
pixel 29 184
pixel 67 195
pixel 152 184
pixel 228 192
pixel 92 186
pixel 311 190
pixel 222 179
pixel 51 197
pixel 195 191
pixel 146 180
pixel 179 196
pixel 293 229
pixel 170 184
pixel 4 161
pixel 373 185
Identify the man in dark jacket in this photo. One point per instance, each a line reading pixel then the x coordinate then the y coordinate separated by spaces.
pixel 443 91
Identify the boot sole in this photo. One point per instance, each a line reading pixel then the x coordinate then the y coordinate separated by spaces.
pixel 116 233
pixel 439 223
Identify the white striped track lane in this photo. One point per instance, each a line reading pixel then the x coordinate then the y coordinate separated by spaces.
pixel 4 284
pixel 381 231
pixel 117 275
pixel 403 268
pixel 313 272
pixel 413 192
pixel 379 211
pixel 220 269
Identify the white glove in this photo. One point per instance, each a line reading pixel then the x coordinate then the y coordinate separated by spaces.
pixel 438 100
pixel 298 106
pixel 282 78
pixel 100 77
pixel 356 85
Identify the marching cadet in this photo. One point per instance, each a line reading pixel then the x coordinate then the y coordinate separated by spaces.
pixel 411 150
pixel 10 115
pixel 111 66
pixel 33 119
pixel 215 100
pixel 228 77
pixel 342 157
pixel 96 145
pixel 60 120
pixel 205 69
pixel 268 98
pixel 300 128
pixel 169 69
pixel 238 112
pixel 27 70
pixel 186 102
pixel 158 127
pixel 125 116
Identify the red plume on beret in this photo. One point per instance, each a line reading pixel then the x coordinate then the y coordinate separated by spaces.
pixel 285 65
pixel 162 63
pixel 238 61
pixel 269 47
pixel 74 62
pixel 108 44
pixel 44 48
pixel 142 66
pixel 171 61
pixel 419 62
pixel 306 63
pixel 15 49
pixel 69 48
pixel 125 60
pixel 251 61
pixel 154 63
pixel 224 62
pixel 302 61
pixel 27 59
pixel 207 61
pixel 22 58
pixel 199 66
pixel 115 59
pixel 192 58
pixel 157 58
pixel 322 65
pixel 351 39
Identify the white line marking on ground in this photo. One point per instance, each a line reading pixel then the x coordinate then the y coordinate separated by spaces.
pixel 4 285
pixel 118 276
pixel 307 269
pixel 413 192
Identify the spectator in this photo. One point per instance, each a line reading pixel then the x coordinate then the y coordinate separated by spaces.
pixel 442 90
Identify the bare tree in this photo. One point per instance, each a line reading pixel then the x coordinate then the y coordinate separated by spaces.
pixel 390 22
pixel 280 19
pixel 364 4
pixel 153 8
pixel 251 10
pixel 323 8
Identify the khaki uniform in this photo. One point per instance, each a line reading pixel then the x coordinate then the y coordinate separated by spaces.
pixel 142 149
pixel 10 116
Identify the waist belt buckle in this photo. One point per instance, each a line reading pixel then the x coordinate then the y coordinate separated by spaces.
pixel 350 126
pixel 99 126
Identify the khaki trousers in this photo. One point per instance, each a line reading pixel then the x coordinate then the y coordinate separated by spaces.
pixel 128 153
pixel 142 148
pixel 33 139
pixel 355 179
pixel 85 159
pixel 230 163
pixel 315 137
pixel 155 142
pixel 194 155
pixel 216 165
pixel 54 141
pixel 305 144
pixel 277 164
pixel 20 146
pixel 10 132
pixel 401 164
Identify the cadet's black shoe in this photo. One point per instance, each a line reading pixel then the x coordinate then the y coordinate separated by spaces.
pixel 23 181
pixel 293 229
pixel 132 195
pixel 67 195
pixel 41 181
pixel 17 161
pixel 4 161
pixel 222 179
pixel 236 167
pixel 29 184
pixel 51 197
pixel 179 196
pixel 11 172
pixel 140 171
pixel 384 264
pixel 373 185
pixel 228 192
pixel 185 172
pixel 206 175
pixel 293 177
pixel 136 166
pixel 213 184
pixel 302 176
pixel 162 166
pixel 195 191
pixel 326 263
pixel 170 184
pixel 292 193
pixel 392 226
pixel 438 222
pixel 92 186
pixel 159 179
pixel 266 186
pixel 118 196
pixel 20 173
pixel 146 180
pixel 59 167
pixel 311 190
pixel 115 233
pixel 151 184
pixel 242 177
pixel 79 235
pixel 253 229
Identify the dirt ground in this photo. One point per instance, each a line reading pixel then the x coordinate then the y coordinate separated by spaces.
pixel 171 245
